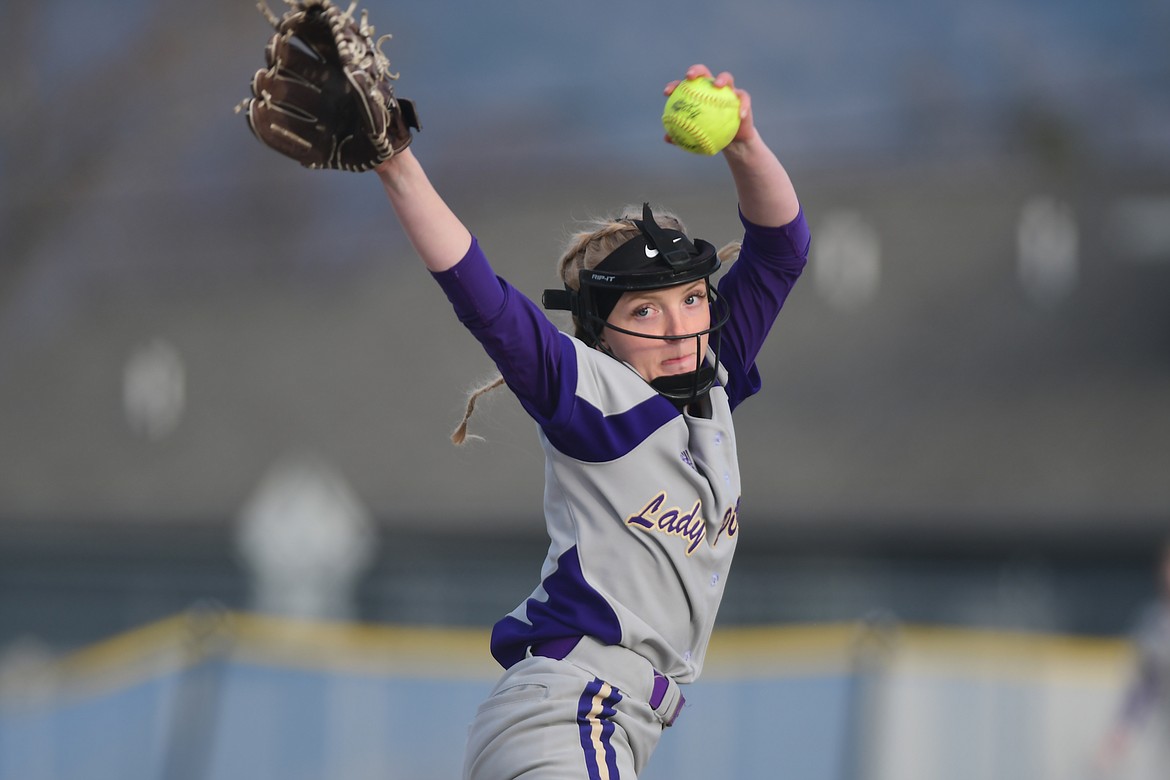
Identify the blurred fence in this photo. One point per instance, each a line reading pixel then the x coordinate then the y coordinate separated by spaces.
pixel 217 695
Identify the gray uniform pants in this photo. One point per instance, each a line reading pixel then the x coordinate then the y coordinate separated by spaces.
pixel 586 717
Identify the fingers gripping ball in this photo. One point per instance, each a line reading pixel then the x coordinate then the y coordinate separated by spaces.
pixel 701 117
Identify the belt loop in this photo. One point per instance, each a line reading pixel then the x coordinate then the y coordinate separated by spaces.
pixel 666 699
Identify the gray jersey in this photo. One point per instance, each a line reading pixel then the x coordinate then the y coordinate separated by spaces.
pixel 641 499
pixel 642 520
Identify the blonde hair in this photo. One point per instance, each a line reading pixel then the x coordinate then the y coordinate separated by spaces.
pixel 585 248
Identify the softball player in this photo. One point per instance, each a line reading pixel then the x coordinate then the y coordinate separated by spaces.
pixel 1147 696
pixel 642 482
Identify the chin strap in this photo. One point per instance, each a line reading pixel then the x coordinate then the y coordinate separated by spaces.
pixel 691 386
pixel 684 388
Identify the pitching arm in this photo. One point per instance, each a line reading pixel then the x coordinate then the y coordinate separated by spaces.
pixel 766 195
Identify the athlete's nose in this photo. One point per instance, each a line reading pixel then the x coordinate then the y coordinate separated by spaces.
pixel 676 322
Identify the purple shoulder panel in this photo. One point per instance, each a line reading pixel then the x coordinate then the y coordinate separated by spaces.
pixel 593 437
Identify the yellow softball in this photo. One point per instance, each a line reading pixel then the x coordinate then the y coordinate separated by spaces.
pixel 700 117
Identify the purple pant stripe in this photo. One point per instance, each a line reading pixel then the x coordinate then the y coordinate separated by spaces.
pixel 595 711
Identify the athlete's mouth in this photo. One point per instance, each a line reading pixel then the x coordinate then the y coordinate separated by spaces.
pixel 679 365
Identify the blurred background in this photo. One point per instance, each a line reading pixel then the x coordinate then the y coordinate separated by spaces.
pixel 226 383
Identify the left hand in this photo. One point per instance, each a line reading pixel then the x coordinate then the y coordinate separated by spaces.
pixel 747 127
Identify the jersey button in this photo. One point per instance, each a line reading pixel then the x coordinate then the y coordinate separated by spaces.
pixel 714 579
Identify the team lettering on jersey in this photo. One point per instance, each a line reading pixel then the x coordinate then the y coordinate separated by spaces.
pixel 687 525
pixel 730 523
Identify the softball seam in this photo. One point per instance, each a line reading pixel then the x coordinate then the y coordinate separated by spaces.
pixel 718 99
pixel 701 139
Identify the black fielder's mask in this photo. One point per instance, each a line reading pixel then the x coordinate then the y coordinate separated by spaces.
pixel 656 258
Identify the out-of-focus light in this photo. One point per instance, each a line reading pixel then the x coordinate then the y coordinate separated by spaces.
pixel 154 393
pixel 1047 250
pixel 847 257
pixel 306 537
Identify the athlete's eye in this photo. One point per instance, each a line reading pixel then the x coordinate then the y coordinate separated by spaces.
pixel 642 311
pixel 698 296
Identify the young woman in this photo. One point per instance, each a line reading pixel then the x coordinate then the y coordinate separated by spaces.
pixel 642 482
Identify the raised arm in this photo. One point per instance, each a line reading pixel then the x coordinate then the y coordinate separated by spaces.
pixel 438 236
pixel 766 195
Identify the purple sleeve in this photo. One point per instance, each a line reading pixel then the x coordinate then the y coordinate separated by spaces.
pixel 755 287
pixel 535 358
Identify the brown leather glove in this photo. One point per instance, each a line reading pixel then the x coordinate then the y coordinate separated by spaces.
pixel 326 98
